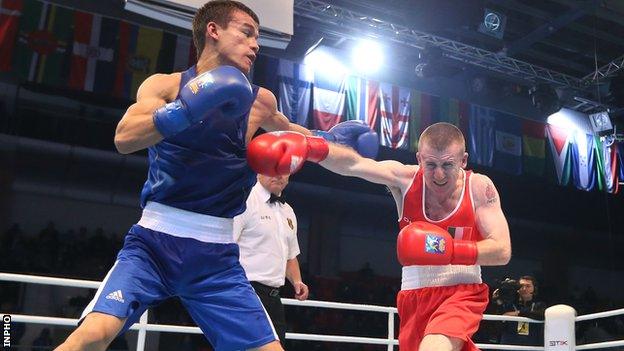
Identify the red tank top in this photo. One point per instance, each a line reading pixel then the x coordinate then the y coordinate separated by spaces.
pixel 460 223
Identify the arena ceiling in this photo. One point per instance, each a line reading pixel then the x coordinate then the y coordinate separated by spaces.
pixel 576 45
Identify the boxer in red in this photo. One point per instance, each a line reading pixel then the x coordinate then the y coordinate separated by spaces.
pixel 451 224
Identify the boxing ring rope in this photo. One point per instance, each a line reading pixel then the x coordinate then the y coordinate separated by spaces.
pixel 143 326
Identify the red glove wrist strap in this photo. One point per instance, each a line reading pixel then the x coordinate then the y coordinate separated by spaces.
pixel 318 148
pixel 465 252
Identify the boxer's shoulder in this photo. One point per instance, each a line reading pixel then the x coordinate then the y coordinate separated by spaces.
pixel 265 100
pixel 162 85
pixel 483 190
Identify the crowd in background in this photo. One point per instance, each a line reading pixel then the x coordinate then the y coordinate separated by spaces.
pixel 87 253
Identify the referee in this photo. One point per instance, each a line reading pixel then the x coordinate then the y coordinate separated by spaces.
pixel 267 236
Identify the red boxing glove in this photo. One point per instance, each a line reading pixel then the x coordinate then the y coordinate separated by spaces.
pixel 281 153
pixel 423 243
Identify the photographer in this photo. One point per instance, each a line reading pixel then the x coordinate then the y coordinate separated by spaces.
pixel 522 304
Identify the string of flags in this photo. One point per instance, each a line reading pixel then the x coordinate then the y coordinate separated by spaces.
pixel 45 43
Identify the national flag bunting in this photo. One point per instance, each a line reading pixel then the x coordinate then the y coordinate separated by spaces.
pixel 41 54
pixel 295 90
pixel 10 12
pixel 328 100
pixel 395 113
pixel 362 100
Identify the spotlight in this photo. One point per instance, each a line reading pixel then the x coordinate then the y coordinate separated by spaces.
pixel 545 99
pixel 367 56
pixel 432 63
pixel 493 23
pixel 601 123
pixel 422 70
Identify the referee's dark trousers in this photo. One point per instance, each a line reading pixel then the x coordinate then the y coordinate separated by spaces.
pixel 270 298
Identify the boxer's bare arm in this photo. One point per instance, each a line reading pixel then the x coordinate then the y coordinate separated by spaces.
pixel 265 110
pixel 136 130
pixel 347 162
pixel 495 248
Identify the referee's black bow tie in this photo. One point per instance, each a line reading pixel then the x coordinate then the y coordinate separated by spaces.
pixel 274 198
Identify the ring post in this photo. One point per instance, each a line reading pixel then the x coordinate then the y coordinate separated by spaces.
pixel 559 328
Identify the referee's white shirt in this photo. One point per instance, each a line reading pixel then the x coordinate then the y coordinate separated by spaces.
pixel 267 236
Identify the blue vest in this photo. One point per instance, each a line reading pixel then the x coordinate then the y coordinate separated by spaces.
pixel 202 169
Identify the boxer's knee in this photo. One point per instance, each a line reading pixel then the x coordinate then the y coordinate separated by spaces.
pixel 272 346
pixel 439 342
pixel 95 333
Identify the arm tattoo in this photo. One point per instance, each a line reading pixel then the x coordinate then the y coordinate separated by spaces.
pixel 490 194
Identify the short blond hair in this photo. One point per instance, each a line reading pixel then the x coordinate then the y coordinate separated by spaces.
pixel 440 136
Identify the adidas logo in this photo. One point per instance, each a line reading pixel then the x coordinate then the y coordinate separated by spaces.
pixel 115 295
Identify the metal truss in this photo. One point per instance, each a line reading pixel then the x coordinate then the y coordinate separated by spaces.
pixel 604 71
pixel 327 13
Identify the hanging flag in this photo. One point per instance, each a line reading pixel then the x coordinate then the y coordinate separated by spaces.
pixel 583 161
pixel 533 147
pixel 436 109
pixel 42 54
pixel 481 138
pixel 606 160
pixel 138 56
pixel 176 54
pixel 166 56
pixel 184 53
pixel 265 73
pixel 508 139
pixel 328 101
pixel 362 100
pixel 619 150
pixel 10 11
pixel 395 113
pixel 559 139
pixel 192 59
pixel 464 117
pixel 448 110
pixel 295 89
pixel 92 62
pixel 421 116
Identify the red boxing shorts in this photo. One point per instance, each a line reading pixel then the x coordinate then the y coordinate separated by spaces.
pixel 454 311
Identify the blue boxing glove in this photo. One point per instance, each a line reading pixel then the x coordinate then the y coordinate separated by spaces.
pixel 224 89
pixel 355 134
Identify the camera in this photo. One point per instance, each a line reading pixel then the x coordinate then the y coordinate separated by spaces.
pixel 508 292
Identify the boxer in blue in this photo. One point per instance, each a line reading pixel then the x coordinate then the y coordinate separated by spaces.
pixel 196 125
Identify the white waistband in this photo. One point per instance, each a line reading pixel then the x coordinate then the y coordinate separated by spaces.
pixel 416 277
pixel 187 224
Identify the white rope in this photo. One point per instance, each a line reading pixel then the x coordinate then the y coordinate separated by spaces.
pixel 142 332
pixel 22 318
pixel 335 338
pixel 496 317
pixel 600 315
pixel 34 279
pixel 508 347
pixel 600 345
pixel 295 336
pixel 339 305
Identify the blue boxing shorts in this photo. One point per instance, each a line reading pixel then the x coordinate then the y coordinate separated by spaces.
pixel 207 277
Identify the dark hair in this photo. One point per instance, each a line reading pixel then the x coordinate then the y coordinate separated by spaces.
pixel 219 12
pixel 440 136
pixel 533 280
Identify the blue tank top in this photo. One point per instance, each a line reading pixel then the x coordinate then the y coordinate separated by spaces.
pixel 202 169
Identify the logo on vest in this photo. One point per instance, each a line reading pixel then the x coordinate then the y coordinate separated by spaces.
pixel 115 295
